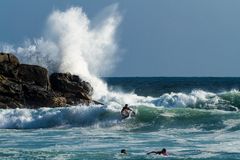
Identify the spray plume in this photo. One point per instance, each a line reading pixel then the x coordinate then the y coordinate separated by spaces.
pixel 72 43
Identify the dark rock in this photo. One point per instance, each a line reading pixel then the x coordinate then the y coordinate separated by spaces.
pixel 87 87
pixel 10 88
pixel 58 101
pixel 37 96
pixel 97 102
pixel 8 65
pixel 9 58
pixel 8 70
pixel 10 93
pixel 8 102
pixel 67 83
pixel 23 85
pixel 34 75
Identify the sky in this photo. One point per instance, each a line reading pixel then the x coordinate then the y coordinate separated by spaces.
pixel 155 37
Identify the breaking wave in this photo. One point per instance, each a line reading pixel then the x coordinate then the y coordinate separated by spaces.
pixel 201 109
pixel 73 43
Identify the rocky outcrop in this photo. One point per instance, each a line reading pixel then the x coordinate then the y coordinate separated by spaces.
pixel 23 85
pixel 72 87
pixel 34 75
pixel 8 65
pixel 10 93
pixel 66 83
pixel 9 58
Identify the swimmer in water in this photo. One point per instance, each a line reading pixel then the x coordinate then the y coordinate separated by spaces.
pixel 163 152
pixel 124 152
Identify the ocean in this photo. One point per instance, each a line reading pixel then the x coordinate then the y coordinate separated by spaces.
pixel 193 118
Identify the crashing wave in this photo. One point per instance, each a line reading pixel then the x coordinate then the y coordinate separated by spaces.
pixel 170 109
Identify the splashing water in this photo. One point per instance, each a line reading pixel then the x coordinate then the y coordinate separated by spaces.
pixel 72 43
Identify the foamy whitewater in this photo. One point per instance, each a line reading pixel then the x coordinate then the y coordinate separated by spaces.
pixel 193 118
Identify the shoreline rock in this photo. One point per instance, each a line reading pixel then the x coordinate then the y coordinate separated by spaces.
pixel 30 86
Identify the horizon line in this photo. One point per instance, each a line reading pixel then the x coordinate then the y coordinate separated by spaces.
pixel 169 76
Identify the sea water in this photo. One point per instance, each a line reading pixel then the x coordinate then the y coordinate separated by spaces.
pixel 193 118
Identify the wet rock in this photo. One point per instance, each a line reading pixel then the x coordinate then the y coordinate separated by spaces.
pixel 71 85
pixel 8 65
pixel 58 102
pixel 36 96
pixel 28 86
pixel 8 102
pixel 9 58
pixel 34 75
pixel 72 88
pixel 10 93
pixel 10 88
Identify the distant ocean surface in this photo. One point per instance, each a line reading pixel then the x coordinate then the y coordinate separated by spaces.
pixel 193 118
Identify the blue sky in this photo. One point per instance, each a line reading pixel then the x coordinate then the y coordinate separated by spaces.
pixel 156 37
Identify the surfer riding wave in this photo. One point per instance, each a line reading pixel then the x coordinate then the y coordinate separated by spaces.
pixel 126 111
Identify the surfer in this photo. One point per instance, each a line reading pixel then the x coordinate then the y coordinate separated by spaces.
pixel 125 112
pixel 123 151
pixel 162 152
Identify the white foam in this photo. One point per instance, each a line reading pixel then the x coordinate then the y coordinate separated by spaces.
pixel 196 99
pixel 51 117
pixel 74 43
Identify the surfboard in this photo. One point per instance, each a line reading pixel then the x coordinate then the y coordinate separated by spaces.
pixel 126 114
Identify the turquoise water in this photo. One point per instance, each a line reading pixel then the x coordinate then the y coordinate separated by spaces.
pixel 193 123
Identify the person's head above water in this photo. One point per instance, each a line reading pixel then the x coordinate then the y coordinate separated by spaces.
pixel 125 106
pixel 123 151
pixel 164 151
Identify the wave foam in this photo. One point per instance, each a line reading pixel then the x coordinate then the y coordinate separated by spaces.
pixel 53 117
pixel 73 43
pixel 149 110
